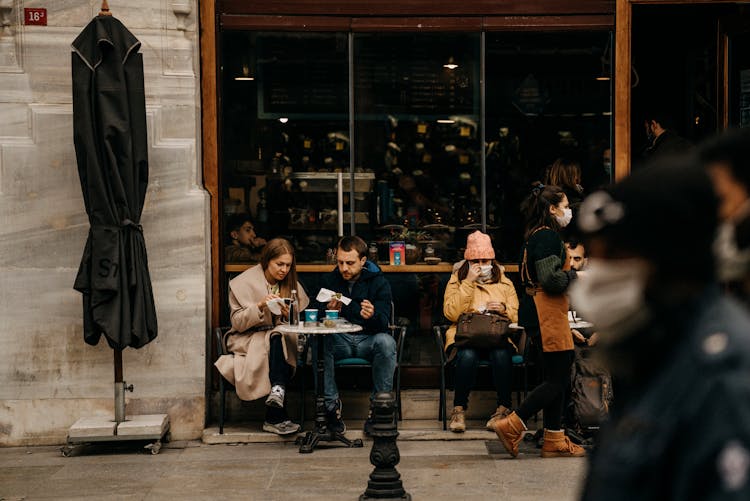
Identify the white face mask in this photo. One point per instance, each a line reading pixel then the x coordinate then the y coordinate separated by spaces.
pixel 731 262
pixel 485 271
pixel 611 296
pixel 565 219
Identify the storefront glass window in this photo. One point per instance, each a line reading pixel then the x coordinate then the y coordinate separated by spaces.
pixel 417 129
pixel 285 120
pixel 417 145
pixel 548 98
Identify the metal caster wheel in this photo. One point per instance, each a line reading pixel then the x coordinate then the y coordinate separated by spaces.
pixel 66 451
pixel 154 448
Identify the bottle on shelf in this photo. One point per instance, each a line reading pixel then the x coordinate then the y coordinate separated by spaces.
pixel 294 309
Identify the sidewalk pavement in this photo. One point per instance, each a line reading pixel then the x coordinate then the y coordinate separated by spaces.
pixel 430 470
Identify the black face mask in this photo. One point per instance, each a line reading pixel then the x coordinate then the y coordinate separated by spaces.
pixel 650 136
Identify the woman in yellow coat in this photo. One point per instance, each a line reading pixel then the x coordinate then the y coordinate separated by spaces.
pixel 479 285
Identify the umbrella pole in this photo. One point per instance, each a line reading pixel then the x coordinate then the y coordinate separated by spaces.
pixel 119 388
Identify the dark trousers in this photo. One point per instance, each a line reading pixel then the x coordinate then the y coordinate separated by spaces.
pixel 466 363
pixel 279 373
pixel 549 395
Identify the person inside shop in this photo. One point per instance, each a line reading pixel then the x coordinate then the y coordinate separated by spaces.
pixel 264 359
pixel 364 283
pixel 579 262
pixel 245 245
pixel 677 347
pixel 727 161
pixel 566 173
pixel 661 137
pixel 546 275
pixel 480 286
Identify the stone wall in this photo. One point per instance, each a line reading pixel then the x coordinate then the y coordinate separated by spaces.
pixel 49 377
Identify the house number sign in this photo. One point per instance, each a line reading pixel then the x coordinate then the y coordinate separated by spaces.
pixel 35 17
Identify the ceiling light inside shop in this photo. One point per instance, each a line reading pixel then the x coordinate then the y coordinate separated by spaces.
pixel 283 120
pixel 451 64
pixel 445 121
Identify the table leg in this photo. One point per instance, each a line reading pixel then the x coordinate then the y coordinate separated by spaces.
pixel 312 438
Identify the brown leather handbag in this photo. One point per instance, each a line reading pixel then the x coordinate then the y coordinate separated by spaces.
pixel 482 331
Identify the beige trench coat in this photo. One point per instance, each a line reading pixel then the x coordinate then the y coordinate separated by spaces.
pixel 248 368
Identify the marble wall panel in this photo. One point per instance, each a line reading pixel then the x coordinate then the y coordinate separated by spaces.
pixel 51 377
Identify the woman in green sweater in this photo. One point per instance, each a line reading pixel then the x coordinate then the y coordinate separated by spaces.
pixel 545 271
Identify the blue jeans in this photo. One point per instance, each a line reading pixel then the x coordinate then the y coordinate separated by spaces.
pixel 466 363
pixel 379 349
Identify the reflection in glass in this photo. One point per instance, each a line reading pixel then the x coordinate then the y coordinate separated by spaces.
pixel 417 128
pixel 545 102
pixel 285 134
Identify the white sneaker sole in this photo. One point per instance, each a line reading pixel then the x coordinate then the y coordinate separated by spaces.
pixel 273 429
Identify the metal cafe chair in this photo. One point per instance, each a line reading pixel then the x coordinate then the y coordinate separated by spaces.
pixel 399 334
pixel 225 385
pixel 520 364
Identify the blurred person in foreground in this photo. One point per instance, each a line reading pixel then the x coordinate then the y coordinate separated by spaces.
pixel 727 161
pixel 678 349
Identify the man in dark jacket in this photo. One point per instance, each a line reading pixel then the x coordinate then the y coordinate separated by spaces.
pixel 662 138
pixel 678 350
pixel 362 281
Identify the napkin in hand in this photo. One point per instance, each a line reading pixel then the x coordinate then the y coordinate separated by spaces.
pixel 274 305
pixel 325 295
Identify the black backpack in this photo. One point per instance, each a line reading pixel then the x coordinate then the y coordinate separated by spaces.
pixel 591 392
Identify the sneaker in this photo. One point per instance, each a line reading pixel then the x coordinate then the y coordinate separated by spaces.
pixel 282 428
pixel 369 424
pixel 276 397
pixel 335 423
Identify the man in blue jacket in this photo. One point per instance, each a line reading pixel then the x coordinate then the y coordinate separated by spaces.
pixel 361 280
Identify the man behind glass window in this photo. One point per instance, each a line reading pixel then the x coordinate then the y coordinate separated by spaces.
pixel 578 262
pixel 362 281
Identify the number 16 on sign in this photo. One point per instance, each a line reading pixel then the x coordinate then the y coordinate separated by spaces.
pixel 35 17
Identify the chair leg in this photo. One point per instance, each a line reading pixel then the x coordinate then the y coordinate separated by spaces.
pixel 443 396
pixel 398 393
pixel 302 396
pixel 222 403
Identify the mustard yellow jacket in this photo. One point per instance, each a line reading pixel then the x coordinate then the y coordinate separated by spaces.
pixel 464 296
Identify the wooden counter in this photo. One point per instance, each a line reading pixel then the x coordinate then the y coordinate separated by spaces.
pixel 387 268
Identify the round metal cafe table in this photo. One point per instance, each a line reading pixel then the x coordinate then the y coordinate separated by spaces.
pixel 321 433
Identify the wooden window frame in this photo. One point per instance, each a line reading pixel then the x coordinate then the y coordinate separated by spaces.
pixel 374 15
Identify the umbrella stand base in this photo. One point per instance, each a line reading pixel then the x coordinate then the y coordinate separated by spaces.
pixel 154 427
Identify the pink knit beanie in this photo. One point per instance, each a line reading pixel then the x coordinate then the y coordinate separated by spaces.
pixel 479 246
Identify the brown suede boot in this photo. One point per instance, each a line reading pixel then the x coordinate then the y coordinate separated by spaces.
pixel 501 412
pixel 458 422
pixel 557 445
pixel 510 432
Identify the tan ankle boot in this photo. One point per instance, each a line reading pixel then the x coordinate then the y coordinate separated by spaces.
pixel 557 445
pixel 510 432
pixel 500 413
pixel 458 422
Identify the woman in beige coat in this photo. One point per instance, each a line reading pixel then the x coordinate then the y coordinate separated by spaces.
pixel 264 358
pixel 479 285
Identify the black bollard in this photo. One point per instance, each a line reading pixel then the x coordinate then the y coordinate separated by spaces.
pixel 385 480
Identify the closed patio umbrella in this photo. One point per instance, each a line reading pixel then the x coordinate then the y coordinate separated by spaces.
pixel 109 123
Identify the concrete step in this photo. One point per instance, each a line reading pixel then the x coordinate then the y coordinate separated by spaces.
pixel 409 430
